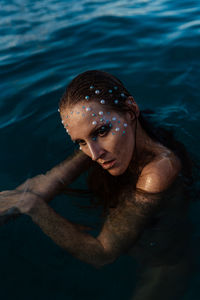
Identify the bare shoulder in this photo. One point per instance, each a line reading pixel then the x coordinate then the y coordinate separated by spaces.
pixel 158 175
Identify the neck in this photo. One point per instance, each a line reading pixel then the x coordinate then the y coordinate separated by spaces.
pixel 146 144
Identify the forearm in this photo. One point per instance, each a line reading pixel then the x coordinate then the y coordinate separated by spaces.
pixel 54 181
pixel 67 171
pixel 67 235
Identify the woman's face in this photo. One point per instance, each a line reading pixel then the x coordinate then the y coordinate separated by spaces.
pixel 104 135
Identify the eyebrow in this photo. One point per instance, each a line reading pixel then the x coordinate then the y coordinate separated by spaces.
pixel 92 132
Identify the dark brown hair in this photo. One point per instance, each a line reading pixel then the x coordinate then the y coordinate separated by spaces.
pixel 107 189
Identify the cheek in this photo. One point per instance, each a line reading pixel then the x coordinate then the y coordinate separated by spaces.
pixel 113 143
pixel 117 143
pixel 126 145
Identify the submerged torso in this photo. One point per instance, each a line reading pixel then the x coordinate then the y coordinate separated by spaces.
pixel 167 237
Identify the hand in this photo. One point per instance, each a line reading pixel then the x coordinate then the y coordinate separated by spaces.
pixel 14 202
pixel 39 185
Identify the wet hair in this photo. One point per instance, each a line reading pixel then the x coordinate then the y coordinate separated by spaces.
pixel 100 80
pixel 107 189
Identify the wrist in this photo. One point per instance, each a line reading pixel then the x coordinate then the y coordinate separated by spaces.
pixel 34 207
pixel 39 186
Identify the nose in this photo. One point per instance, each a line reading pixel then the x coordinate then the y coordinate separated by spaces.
pixel 95 150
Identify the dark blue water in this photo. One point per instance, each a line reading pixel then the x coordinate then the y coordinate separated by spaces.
pixel 153 46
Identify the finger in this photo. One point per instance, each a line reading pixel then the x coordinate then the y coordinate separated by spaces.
pixel 3 192
pixel 9 193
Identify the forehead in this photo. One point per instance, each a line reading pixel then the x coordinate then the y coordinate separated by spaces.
pixel 84 116
pixel 84 110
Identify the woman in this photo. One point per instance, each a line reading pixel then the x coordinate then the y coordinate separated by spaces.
pixel 138 175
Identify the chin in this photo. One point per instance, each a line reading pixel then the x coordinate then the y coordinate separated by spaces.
pixel 116 171
pixel 113 172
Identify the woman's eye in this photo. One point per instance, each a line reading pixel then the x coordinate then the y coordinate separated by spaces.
pixel 103 130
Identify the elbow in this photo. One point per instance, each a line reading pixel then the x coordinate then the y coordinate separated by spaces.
pixel 102 256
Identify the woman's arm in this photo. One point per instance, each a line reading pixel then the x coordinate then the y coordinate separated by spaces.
pixel 120 231
pixel 45 186
pixel 48 185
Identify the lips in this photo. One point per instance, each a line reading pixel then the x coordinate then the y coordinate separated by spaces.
pixel 101 162
pixel 108 164
pixel 105 162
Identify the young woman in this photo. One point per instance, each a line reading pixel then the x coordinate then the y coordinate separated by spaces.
pixel 139 174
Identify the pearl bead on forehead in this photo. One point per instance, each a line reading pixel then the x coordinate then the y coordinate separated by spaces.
pixel 101 113
pixel 111 92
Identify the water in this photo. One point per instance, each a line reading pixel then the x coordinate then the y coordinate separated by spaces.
pixel 154 48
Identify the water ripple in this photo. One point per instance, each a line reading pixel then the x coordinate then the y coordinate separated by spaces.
pixel 148 43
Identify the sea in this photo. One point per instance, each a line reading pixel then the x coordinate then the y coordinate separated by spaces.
pixel 153 47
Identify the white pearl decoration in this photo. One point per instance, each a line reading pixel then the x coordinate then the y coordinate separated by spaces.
pixel 100 113
pixel 94 122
